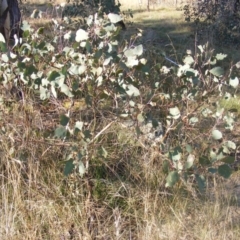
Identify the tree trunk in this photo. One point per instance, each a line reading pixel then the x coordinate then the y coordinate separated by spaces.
pixel 10 19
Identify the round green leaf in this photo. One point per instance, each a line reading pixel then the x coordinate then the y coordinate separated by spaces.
pixel 132 91
pixel 81 35
pixel 67 35
pixel 133 52
pixel 224 171
pixel 140 118
pixel 64 120
pixel 193 120
pixel 65 89
pixel 203 160
pixel 60 132
pixel 188 60
pixel 216 134
pixel 114 18
pixel 231 145
pixel 172 179
pixel 5 57
pixel 221 56
pixel 217 71
pixel 69 166
pixel 189 148
pixel 174 112
pixel 190 161
pixel 79 125
pixel 234 82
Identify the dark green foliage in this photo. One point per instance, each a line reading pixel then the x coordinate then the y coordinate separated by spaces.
pixel 224 171
pixel 69 167
pixel 219 21
pixel 85 8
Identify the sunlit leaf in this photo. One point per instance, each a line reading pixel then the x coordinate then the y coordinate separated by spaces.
pixel 65 89
pixel 67 35
pixel 238 64
pixel 131 62
pixel 200 47
pixel 221 56
pixel 2 39
pixel 73 69
pixel 231 145
pixel 217 71
pixel 54 92
pixel 44 93
pixel 35 14
pixel 132 91
pixel 81 168
pixel 26 26
pixel 216 134
pixel 176 154
pixel 175 112
pixel 188 60
pixel 193 120
pixel 190 160
pixel 140 118
pixel 81 35
pixel 90 20
pixel 189 148
pixel 206 112
pixel 81 69
pixel 135 51
pixel 79 125
pixel 5 58
pixel 234 82
pixel 114 18
pixel 107 61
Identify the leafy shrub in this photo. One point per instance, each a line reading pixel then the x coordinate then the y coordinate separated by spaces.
pixel 171 109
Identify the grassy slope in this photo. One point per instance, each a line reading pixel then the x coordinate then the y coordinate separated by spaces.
pixel 38 202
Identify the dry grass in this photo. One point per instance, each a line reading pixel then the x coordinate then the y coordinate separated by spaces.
pixel 125 199
pixel 128 202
